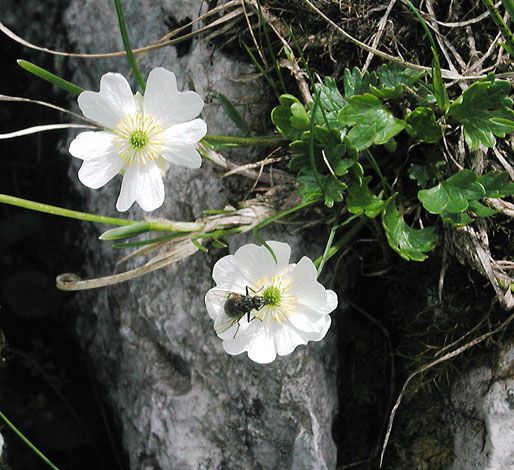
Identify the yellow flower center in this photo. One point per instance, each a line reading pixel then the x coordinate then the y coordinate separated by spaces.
pixel 281 304
pixel 138 139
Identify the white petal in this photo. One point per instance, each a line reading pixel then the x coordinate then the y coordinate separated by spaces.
pixel 186 133
pixel 308 320
pixel 261 347
pixel 255 262
pixel 92 145
pixel 165 103
pixel 96 172
pixel 287 338
pixel 141 183
pixel 111 104
pixel 182 156
pixel 305 287
pixel 227 276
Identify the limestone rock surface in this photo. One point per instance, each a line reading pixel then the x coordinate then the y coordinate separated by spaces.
pixel 182 403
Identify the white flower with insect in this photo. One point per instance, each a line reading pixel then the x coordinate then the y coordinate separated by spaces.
pixel 142 136
pixel 266 307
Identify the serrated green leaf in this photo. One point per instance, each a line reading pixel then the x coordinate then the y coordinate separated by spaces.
pixel 362 201
pixel 453 194
pixel 422 121
pixel 391 77
pixel 333 189
pixel 357 84
pixel 497 184
pixel 483 109
pixel 411 244
pixel 330 102
pixel 372 122
pixel 392 74
pixel 386 93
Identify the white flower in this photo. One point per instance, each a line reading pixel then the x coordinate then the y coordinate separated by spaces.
pixel 142 136
pixel 292 306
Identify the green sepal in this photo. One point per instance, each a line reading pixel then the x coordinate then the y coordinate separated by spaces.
pixel 127 231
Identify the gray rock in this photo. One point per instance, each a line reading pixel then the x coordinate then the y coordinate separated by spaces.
pixel 482 417
pixel 181 402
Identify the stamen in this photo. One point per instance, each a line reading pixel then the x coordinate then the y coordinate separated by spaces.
pixel 280 304
pixel 138 139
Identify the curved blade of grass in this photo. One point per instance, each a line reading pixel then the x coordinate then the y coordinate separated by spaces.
pixel 46 127
pixel 311 143
pixel 50 77
pixel 265 74
pixel 126 43
pixel 440 90
pixel 270 48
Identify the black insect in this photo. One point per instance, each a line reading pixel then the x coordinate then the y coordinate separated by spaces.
pixel 237 306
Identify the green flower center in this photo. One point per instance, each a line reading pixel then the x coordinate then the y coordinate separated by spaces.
pixel 272 294
pixel 280 304
pixel 138 138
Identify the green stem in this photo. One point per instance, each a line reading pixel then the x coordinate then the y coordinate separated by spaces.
pixel 126 43
pixel 50 77
pixel 509 6
pixel 342 241
pixel 507 34
pixel 376 168
pixel 269 220
pixel 54 210
pixel 245 141
pixel 311 143
pixel 26 441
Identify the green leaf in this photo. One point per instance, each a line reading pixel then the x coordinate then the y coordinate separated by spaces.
pixel 497 184
pixel 233 114
pixel 290 118
pixel 357 84
pixel 362 201
pixel 457 220
pixel 422 121
pixel 372 122
pixel 333 189
pixel 484 111
pixel 409 243
pixel 480 210
pixel 330 102
pixel 50 77
pixel 453 194
pixel 391 77
pixel 440 92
